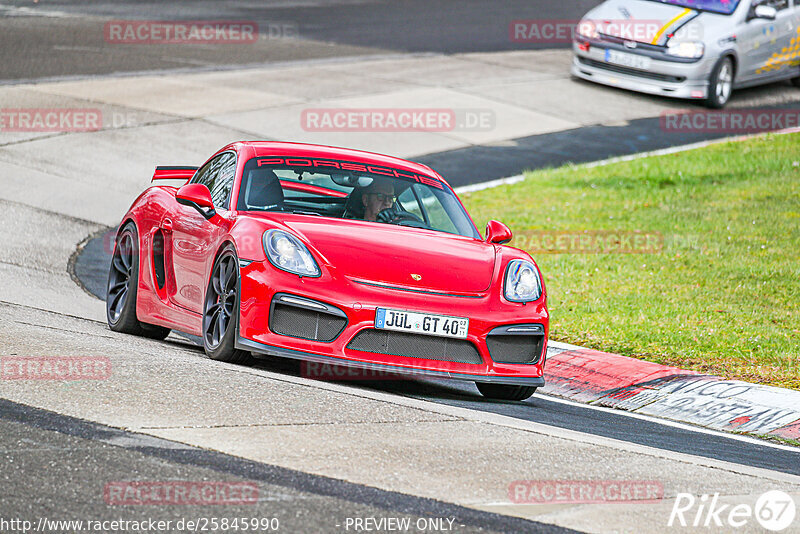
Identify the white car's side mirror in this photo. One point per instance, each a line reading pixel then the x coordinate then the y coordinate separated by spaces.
pixel 765 12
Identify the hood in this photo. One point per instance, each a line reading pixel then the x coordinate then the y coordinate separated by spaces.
pixel 389 254
pixel 641 20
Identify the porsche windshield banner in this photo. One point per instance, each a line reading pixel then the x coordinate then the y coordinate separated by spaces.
pixel 327 165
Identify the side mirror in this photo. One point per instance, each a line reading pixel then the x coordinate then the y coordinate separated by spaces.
pixel 497 232
pixel 765 12
pixel 198 197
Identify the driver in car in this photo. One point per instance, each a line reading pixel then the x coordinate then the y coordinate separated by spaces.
pixel 378 196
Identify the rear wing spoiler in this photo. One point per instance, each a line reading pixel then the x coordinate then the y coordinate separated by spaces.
pixel 174 173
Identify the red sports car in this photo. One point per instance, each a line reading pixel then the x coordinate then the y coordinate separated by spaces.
pixel 332 256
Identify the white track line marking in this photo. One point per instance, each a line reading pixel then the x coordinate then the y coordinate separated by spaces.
pixel 469 414
pixel 672 423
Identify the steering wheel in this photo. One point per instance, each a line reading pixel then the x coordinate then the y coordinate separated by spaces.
pixel 395 216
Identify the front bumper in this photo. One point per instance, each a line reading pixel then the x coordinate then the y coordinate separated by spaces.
pixel 665 78
pixel 269 350
pixel 488 314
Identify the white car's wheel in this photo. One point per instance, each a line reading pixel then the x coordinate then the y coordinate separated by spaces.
pixel 720 84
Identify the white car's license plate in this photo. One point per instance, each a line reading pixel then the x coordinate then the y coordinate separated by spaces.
pixel 421 323
pixel 628 60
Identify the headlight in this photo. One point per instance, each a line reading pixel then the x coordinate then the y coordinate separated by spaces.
pixel 588 29
pixel 522 282
pixel 288 253
pixel 687 49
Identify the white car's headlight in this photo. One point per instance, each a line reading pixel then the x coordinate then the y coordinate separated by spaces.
pixel 687 49
pixel 288 253
pixel 588 29
pixel 522 282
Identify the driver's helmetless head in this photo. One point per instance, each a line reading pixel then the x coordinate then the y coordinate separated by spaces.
pixel 377 197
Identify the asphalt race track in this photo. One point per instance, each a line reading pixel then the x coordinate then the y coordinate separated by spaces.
pixel 91 268
pixel 60 40
pixel 329 28
pixel 301 502
pixel 321 453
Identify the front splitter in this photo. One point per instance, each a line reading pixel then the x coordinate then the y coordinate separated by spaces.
pixel 270 350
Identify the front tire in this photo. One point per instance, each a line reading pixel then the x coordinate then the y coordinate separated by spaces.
pixel 720 84
pixel 505 392
pixel 123 284
pixel 221 310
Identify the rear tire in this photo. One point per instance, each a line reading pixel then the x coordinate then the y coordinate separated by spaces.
pixel 796 82
pixel 505 392
pixel 720 84
pixel 123 282
pixel 221 310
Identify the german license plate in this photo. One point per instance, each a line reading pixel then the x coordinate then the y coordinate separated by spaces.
pixel 628 60
pixel 421 323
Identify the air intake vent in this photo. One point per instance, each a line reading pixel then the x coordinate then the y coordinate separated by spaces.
pixel 415 346
pixel 632 72
pixel 303 323
pixel 515 349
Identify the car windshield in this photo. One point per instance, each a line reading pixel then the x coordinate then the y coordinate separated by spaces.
pixel 348 190
pixel 725 7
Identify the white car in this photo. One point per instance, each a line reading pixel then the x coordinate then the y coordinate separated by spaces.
pixel 697 49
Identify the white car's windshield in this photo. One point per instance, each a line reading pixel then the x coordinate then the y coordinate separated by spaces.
pixel 725 7
pixel 373 193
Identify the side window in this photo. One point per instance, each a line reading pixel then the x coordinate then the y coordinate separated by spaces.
pixel 202 176
pixel 218 176
pixel 408 200
pixel 436 212
pixel 777 4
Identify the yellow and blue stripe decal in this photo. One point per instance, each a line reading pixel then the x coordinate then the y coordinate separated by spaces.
pixel 673 25
pixel 787 57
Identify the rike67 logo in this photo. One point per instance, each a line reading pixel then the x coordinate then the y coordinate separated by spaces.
pixel 774 511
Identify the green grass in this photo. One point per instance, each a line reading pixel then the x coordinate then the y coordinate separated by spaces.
pixel 723 294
